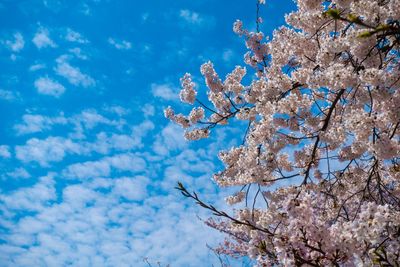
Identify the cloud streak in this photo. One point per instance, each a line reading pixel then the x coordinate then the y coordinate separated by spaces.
pixel 120 45
pixel 72 74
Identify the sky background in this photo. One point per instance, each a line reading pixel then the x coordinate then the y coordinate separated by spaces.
pixel 88 164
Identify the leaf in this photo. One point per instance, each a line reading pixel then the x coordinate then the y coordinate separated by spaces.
pixel 333 12
pixel 353 18
pixel 383 27
pixel 365 34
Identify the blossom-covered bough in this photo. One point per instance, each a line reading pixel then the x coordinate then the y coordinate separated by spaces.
pixel 322 146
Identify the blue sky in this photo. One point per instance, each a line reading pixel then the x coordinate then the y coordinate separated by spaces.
pixel 87 161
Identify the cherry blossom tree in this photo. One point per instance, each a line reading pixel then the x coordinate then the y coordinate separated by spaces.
pixel 322 145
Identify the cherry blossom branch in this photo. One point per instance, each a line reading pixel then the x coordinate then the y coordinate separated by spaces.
pixel 218 213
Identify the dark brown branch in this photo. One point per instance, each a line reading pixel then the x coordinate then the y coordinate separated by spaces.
pixel 218 213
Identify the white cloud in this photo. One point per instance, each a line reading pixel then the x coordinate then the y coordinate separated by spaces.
pixel 32 198
pixel 105 143
pixel 190 16
pixel 85 9
pixel 73 36
pixel 44 151
pixel 47 86
pixel 8 95
pixel 102 168
pixel 120 111
pixel 77 52
pixel 170 139
pixel 120 142
pixel 127 162
pixel 73 74
pixel 132 188
pixel 101 223
pixel 5 151
pixel 42 38
pixel 32 124
pixel 142 129
pixel 79 195
pixel 164 91
pixel 18 173
pixel 120 44
pixel 89 169
pixel 36 67
pixel 192 20
pixel 90 118
pixel 37 123
pixel 53 5
pixel 81 122
pixel 148 110
pixel 17 44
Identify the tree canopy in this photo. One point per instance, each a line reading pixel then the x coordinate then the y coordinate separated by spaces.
pixel 322 145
